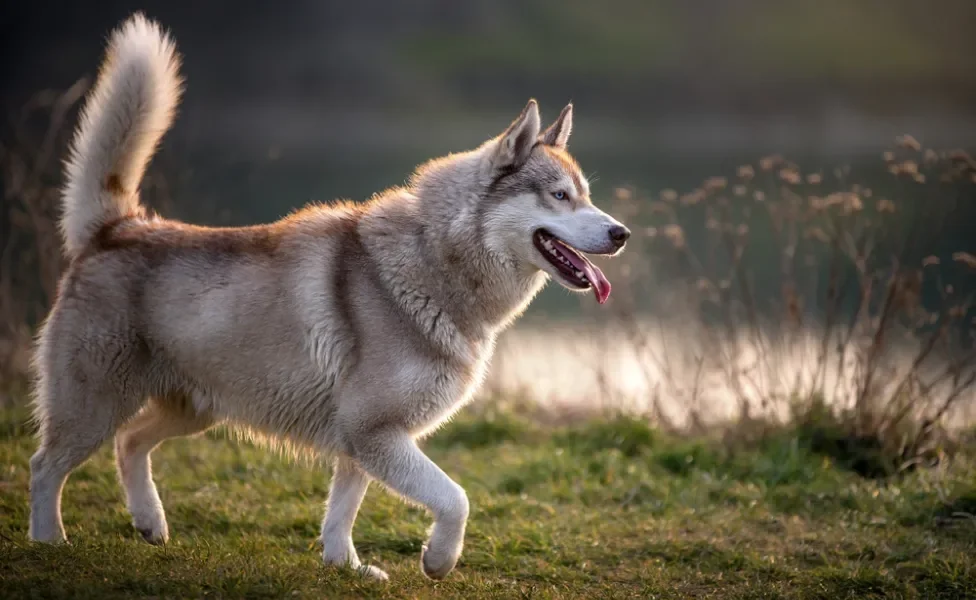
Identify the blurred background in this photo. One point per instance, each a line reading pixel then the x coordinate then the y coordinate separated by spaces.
pixel 317 100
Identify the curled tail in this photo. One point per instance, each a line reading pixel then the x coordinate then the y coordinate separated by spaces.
pixel 128 111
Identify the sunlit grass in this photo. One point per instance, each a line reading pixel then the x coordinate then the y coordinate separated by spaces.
pixel 600 509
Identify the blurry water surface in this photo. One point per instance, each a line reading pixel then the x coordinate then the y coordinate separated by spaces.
pixel 572 368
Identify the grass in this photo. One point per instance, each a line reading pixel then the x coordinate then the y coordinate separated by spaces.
pixel 601 510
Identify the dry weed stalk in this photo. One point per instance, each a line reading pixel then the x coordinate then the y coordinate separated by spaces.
pixel 30 257
pixel 773 256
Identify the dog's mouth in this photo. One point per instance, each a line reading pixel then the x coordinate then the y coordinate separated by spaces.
pixel 573 268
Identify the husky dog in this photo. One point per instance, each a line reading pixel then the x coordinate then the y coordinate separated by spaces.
pixel 351 329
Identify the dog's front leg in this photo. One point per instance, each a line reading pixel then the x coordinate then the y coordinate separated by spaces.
pixel 346 492
pixel 394 458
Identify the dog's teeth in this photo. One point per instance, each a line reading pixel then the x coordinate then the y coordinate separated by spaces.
pixel 580 275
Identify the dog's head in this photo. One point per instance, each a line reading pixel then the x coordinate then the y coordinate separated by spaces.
pixel 538 210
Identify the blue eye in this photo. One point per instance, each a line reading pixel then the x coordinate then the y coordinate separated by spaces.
pixel 559 195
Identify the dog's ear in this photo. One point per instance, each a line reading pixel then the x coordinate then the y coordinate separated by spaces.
pixel 515 145
pixel 558 133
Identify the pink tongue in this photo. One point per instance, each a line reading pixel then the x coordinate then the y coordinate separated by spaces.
pixel 598 281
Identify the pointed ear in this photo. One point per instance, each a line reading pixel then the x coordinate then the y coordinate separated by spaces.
pixel 515 145
pixel 558 133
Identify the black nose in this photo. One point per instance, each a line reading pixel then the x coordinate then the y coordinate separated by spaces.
pixel 619 234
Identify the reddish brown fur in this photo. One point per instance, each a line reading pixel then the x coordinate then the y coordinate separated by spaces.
pixel 113 185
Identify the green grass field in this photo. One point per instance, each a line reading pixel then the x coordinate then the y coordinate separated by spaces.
pixel 607 509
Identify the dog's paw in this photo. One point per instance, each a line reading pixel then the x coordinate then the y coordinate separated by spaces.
pixel 156 534
pixel 53 539
pixel 345 558
pixel 46 532
pixel 364 571
pixel 436 564
pixel 152 526
pixel 153 537
pixel 371 572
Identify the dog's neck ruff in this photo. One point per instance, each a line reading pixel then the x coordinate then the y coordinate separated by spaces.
pixel 458 297
pixel 407 277
pixel 436 261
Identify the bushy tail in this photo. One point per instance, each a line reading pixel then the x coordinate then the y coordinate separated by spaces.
pixel 128 111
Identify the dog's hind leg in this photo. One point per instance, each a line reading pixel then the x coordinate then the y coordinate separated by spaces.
pixel 394 459
pixel 75 417
pixel 161 419
pixel 346 493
